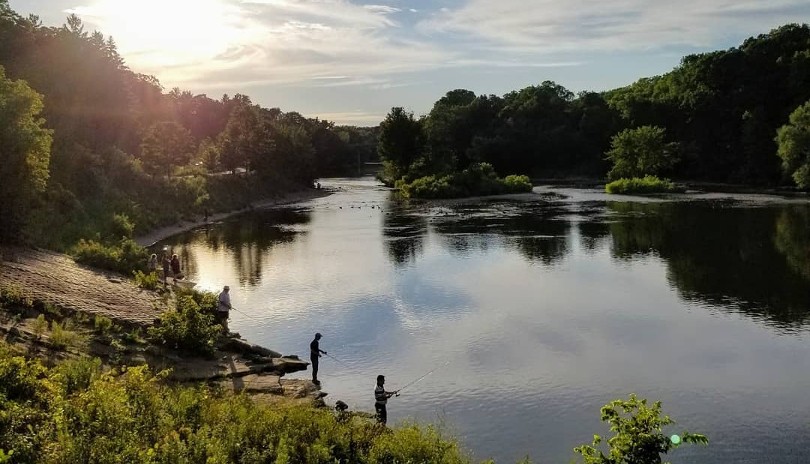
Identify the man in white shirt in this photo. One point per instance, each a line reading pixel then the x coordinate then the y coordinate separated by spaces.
pixel 224 307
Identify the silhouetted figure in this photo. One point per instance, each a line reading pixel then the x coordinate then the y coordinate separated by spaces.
pixel 205 218
pixel 315 353
pixel 381 399
pixel 151 265
pixel 167 263
pixel 224 307
pixel 175 264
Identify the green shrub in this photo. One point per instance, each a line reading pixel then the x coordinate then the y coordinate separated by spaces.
pixel 638 436
pixel 102 324
pixel 12 295
pixel 75 375
pixel 62 335
pixel 39 326
pixel 477 179
pixel 646 184
pixel 517 183
pixel 121 227
pixel 148 281
pixel 187 328
pixel 411 443
pixel 124 256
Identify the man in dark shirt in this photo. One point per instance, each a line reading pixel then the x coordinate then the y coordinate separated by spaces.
pixel 315 353
pixel 381 399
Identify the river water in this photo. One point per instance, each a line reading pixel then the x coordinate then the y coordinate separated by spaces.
pixel 535 311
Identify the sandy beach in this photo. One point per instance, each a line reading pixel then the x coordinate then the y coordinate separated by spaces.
pixel 159 234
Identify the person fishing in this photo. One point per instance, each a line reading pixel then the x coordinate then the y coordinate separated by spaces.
pixel 224 307
pixel 381 399
pixel 315 353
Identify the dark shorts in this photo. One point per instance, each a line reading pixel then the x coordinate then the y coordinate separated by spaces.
pixel 221 316
pixel 382 413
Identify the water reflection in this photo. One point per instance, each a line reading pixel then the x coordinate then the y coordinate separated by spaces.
pixel 738 258
pixel 403 231
pixel 246 240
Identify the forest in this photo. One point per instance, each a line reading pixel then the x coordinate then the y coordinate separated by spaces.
pixel 738 116
pixel 92 149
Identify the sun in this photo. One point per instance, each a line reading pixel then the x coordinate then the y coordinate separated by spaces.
pixel 166 33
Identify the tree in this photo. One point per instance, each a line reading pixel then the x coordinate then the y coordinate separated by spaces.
pixel 400 142
pixel 639 152
pixel 240 142
pixel 794 145
pixel 166 144
pixel 25 148
pixel 639 438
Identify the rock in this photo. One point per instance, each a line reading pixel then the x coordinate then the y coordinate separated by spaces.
pixel 241 346
pixel 288 365
pixel 257 384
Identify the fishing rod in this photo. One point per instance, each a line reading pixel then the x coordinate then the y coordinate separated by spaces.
pixel 413 382
pixel 338 360
pixel 245 314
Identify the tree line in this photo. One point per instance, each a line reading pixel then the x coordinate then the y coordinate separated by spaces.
pixel 85 138
pixel 713 118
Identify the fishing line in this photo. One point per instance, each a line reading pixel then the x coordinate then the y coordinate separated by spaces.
pixel 413 382
pixel 338 360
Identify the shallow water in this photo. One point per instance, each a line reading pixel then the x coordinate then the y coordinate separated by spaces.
pixel 535 311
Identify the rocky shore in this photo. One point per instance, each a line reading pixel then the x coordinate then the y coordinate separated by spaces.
pixel 52 287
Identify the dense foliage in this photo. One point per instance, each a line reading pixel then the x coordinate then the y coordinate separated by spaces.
pixel 476 179
pixel 190 326
pixel 646 184
pixel 712 118
pixel 76 412
pixel 638 438
pixel 122 145
pixel 794 145
pixel 25 148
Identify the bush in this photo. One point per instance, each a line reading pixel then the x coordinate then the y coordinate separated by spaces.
pixel 646 184
pixel 187 328
pixel 477 179
pixel 639 438
pixel 12 295
pixel 102 324
pixel 124 256
pixel 40 325
pixel 62 336
pixel 146 281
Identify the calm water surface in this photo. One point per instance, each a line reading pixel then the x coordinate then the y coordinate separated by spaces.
pixel 537 311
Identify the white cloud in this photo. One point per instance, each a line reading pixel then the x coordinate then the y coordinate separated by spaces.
pixel 554 25
pixel 238 43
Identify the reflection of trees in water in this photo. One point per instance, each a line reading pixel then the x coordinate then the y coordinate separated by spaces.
pixel 720 255
pixel 593 235
pixel 247 238
pixel 533 229
pixel 403 231
pixel 793 238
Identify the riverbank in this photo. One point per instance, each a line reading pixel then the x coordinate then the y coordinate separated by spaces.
pixel 163 233
pixel 54 309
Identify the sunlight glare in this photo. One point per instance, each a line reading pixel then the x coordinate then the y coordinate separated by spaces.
pixel 166 32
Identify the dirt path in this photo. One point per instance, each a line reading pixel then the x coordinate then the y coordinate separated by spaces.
pixel 57 279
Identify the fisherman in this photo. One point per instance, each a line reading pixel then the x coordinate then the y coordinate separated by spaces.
pixel 224 307
pixel 315 353
pixel 166 264
pixel 151 265
pixel 381 399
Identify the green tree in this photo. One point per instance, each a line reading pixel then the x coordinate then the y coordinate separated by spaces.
pixel 165 145
pixel 639 438
pixel 794 145
pixel 240 142
pixel 400 142
pixel 25 148
pixel 639 152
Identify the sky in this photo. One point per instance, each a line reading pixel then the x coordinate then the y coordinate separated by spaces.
pixel 351 61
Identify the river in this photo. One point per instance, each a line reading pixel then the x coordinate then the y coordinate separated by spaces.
pixel 534 311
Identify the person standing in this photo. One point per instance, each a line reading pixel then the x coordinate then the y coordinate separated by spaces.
pixel 151 265
pixel 315 353
pixel 381 399
pixel 166 266
pixel 224 307
pixel 176 272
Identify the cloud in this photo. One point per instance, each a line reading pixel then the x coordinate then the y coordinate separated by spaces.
pixel 588 25
pixel 239 43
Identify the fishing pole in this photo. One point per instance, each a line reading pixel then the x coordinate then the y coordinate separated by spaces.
pixel 338 360
pixel 245 314
pixel 413 382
